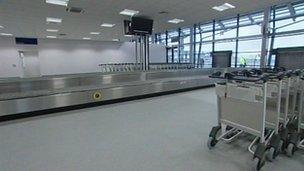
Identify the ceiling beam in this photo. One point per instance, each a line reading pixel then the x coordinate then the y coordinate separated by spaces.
pixel 292 11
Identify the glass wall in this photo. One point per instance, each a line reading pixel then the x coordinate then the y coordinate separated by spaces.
pixel 203 45
pixel 240 34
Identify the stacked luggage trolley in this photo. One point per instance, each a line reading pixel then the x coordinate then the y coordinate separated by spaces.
pixel 265 103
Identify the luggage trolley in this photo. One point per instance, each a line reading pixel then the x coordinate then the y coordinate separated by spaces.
pixel 296 125
pixel 301 116
pixel 290 95
pixel 291 98
pixel 250 103
pixel 242 105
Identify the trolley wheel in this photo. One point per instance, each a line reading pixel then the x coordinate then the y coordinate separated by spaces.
pixel 281 147
pixel 271 155
pixel 258 164
pixel 291 148
pixel 211 143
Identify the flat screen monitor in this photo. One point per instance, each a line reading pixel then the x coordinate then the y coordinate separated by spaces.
pixel 26 41
pixel 141 25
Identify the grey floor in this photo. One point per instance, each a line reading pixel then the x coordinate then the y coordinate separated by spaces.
pixel 165 133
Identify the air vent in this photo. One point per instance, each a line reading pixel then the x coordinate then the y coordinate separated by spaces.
pixel 163 12
pixel 75 10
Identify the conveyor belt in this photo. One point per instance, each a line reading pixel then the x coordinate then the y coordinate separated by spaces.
pixel 19 96
pixel 36 93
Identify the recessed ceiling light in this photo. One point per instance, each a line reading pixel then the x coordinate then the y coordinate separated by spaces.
pixel 51 37
pixel 223 7
pixel 86 38
pixel 51 30
pixel 176 21
pixel 95 33
pixel 53 20
pixel 129 12
pixel 6 34
pixel 107 25
pixel 58 2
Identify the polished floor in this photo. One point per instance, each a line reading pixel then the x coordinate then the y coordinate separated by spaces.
pixel 166 133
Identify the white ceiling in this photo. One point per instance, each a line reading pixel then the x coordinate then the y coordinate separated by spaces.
pixel 27 18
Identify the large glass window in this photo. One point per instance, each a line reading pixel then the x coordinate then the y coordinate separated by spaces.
pixel 289 41
pixel 203 45
pixel 203 57
pixel 160 38
pixel 250 52
pixel 227 46
pixel 251 30
pixel 290 24
pixel 288 32
pixel 185 46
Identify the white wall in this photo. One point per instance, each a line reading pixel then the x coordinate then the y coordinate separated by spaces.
pixel 70 56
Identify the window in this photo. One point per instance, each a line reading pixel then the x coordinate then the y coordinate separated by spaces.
pixel 250 50
pixel 203 57
pixel 290 24
pixel 204 32
pixel 185 53
pixel 289 32
pixel 185 46
pixel 289 41
pixel 226 29
pixel 227 46
pixel 251 30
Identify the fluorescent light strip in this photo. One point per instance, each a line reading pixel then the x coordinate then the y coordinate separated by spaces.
pixel 53 20
pixel 58 2
pixel 129 12
pixel 95 33
pixel 6 34
pixel 51 37
pixel 223 7
pixel 127 35
pixel 229 5
pixel 51 30
pixel 176 21
pixel 86 38
pixel 115 40
pixel 107 25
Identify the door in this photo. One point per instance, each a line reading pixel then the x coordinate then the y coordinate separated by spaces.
pixel 30 63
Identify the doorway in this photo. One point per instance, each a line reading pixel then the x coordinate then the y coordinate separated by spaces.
pixel 30 64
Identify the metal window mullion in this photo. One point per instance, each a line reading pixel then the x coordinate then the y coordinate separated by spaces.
pixel 167 50
pixel 179 45
pixel 272 36
pixel 237 40
pixel 194 44
pixel 213 37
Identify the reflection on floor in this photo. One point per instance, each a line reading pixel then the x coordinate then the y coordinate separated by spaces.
pixel 165 133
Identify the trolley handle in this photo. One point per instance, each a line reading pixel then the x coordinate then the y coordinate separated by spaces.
pixel 278 76
pixel 289 73
pixel 217 75
pixel 263 78
pixel 244 73
pixel 296 72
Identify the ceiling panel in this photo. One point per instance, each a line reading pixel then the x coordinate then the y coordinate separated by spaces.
pixel 27 17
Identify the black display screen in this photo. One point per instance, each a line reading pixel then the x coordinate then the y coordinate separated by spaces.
pixel 141 25
pixel 26 41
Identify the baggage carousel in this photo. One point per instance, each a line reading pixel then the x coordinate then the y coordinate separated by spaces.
pixel 21 98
